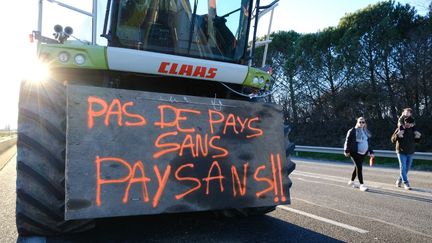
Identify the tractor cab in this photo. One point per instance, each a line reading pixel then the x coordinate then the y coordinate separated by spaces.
pixel 210 29
pixel 191 39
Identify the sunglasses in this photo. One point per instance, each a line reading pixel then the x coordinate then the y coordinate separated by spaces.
pixel 362 122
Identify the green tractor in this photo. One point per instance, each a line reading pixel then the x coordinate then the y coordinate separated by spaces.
pixel 167 117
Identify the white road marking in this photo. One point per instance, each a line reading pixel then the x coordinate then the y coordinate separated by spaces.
pixel 320 176
pixel 326 220
pixel 365 217
pixel 356 186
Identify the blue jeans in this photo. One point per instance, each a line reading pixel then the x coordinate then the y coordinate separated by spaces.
pixel 405 162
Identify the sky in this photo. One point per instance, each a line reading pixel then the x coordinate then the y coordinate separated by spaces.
pixel 19 18
pixel 308 16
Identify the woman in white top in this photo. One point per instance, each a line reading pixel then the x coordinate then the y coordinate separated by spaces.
pixel 357 146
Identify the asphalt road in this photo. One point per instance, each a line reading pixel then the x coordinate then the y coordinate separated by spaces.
pixel 384 213
pixel 323 209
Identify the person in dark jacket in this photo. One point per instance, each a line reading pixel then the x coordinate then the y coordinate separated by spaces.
pixel 357 146
pixel 405 140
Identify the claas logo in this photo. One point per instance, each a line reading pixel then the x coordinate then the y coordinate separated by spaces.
pixel 187 70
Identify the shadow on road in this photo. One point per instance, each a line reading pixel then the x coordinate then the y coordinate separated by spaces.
pixel 194 227
pixel 399 195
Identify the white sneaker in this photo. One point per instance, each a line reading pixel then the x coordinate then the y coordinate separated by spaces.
pixel 398 183
pixel 363 188
pixel 407 187
pixel 350 183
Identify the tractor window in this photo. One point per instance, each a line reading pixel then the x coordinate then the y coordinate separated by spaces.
pixel 210 29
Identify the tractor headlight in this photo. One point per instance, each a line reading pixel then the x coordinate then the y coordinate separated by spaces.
pixel 255 80
pixel 63 57
pixel 80 59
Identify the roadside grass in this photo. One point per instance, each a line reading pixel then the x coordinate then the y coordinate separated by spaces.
pixel 7 133
pixel 425 165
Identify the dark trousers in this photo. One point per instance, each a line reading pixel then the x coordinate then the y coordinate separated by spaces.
pixel 358 169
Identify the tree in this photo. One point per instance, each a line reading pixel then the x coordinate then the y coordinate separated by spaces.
pixel 377 61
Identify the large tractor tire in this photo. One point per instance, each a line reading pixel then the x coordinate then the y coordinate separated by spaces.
pixel 255 211
pixel 41 145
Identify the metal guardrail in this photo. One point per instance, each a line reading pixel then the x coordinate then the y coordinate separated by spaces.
pixel 378 153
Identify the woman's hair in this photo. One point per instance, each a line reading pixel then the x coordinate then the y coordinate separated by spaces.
pixel 357 121
pixel 365 126
pixel 406 110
